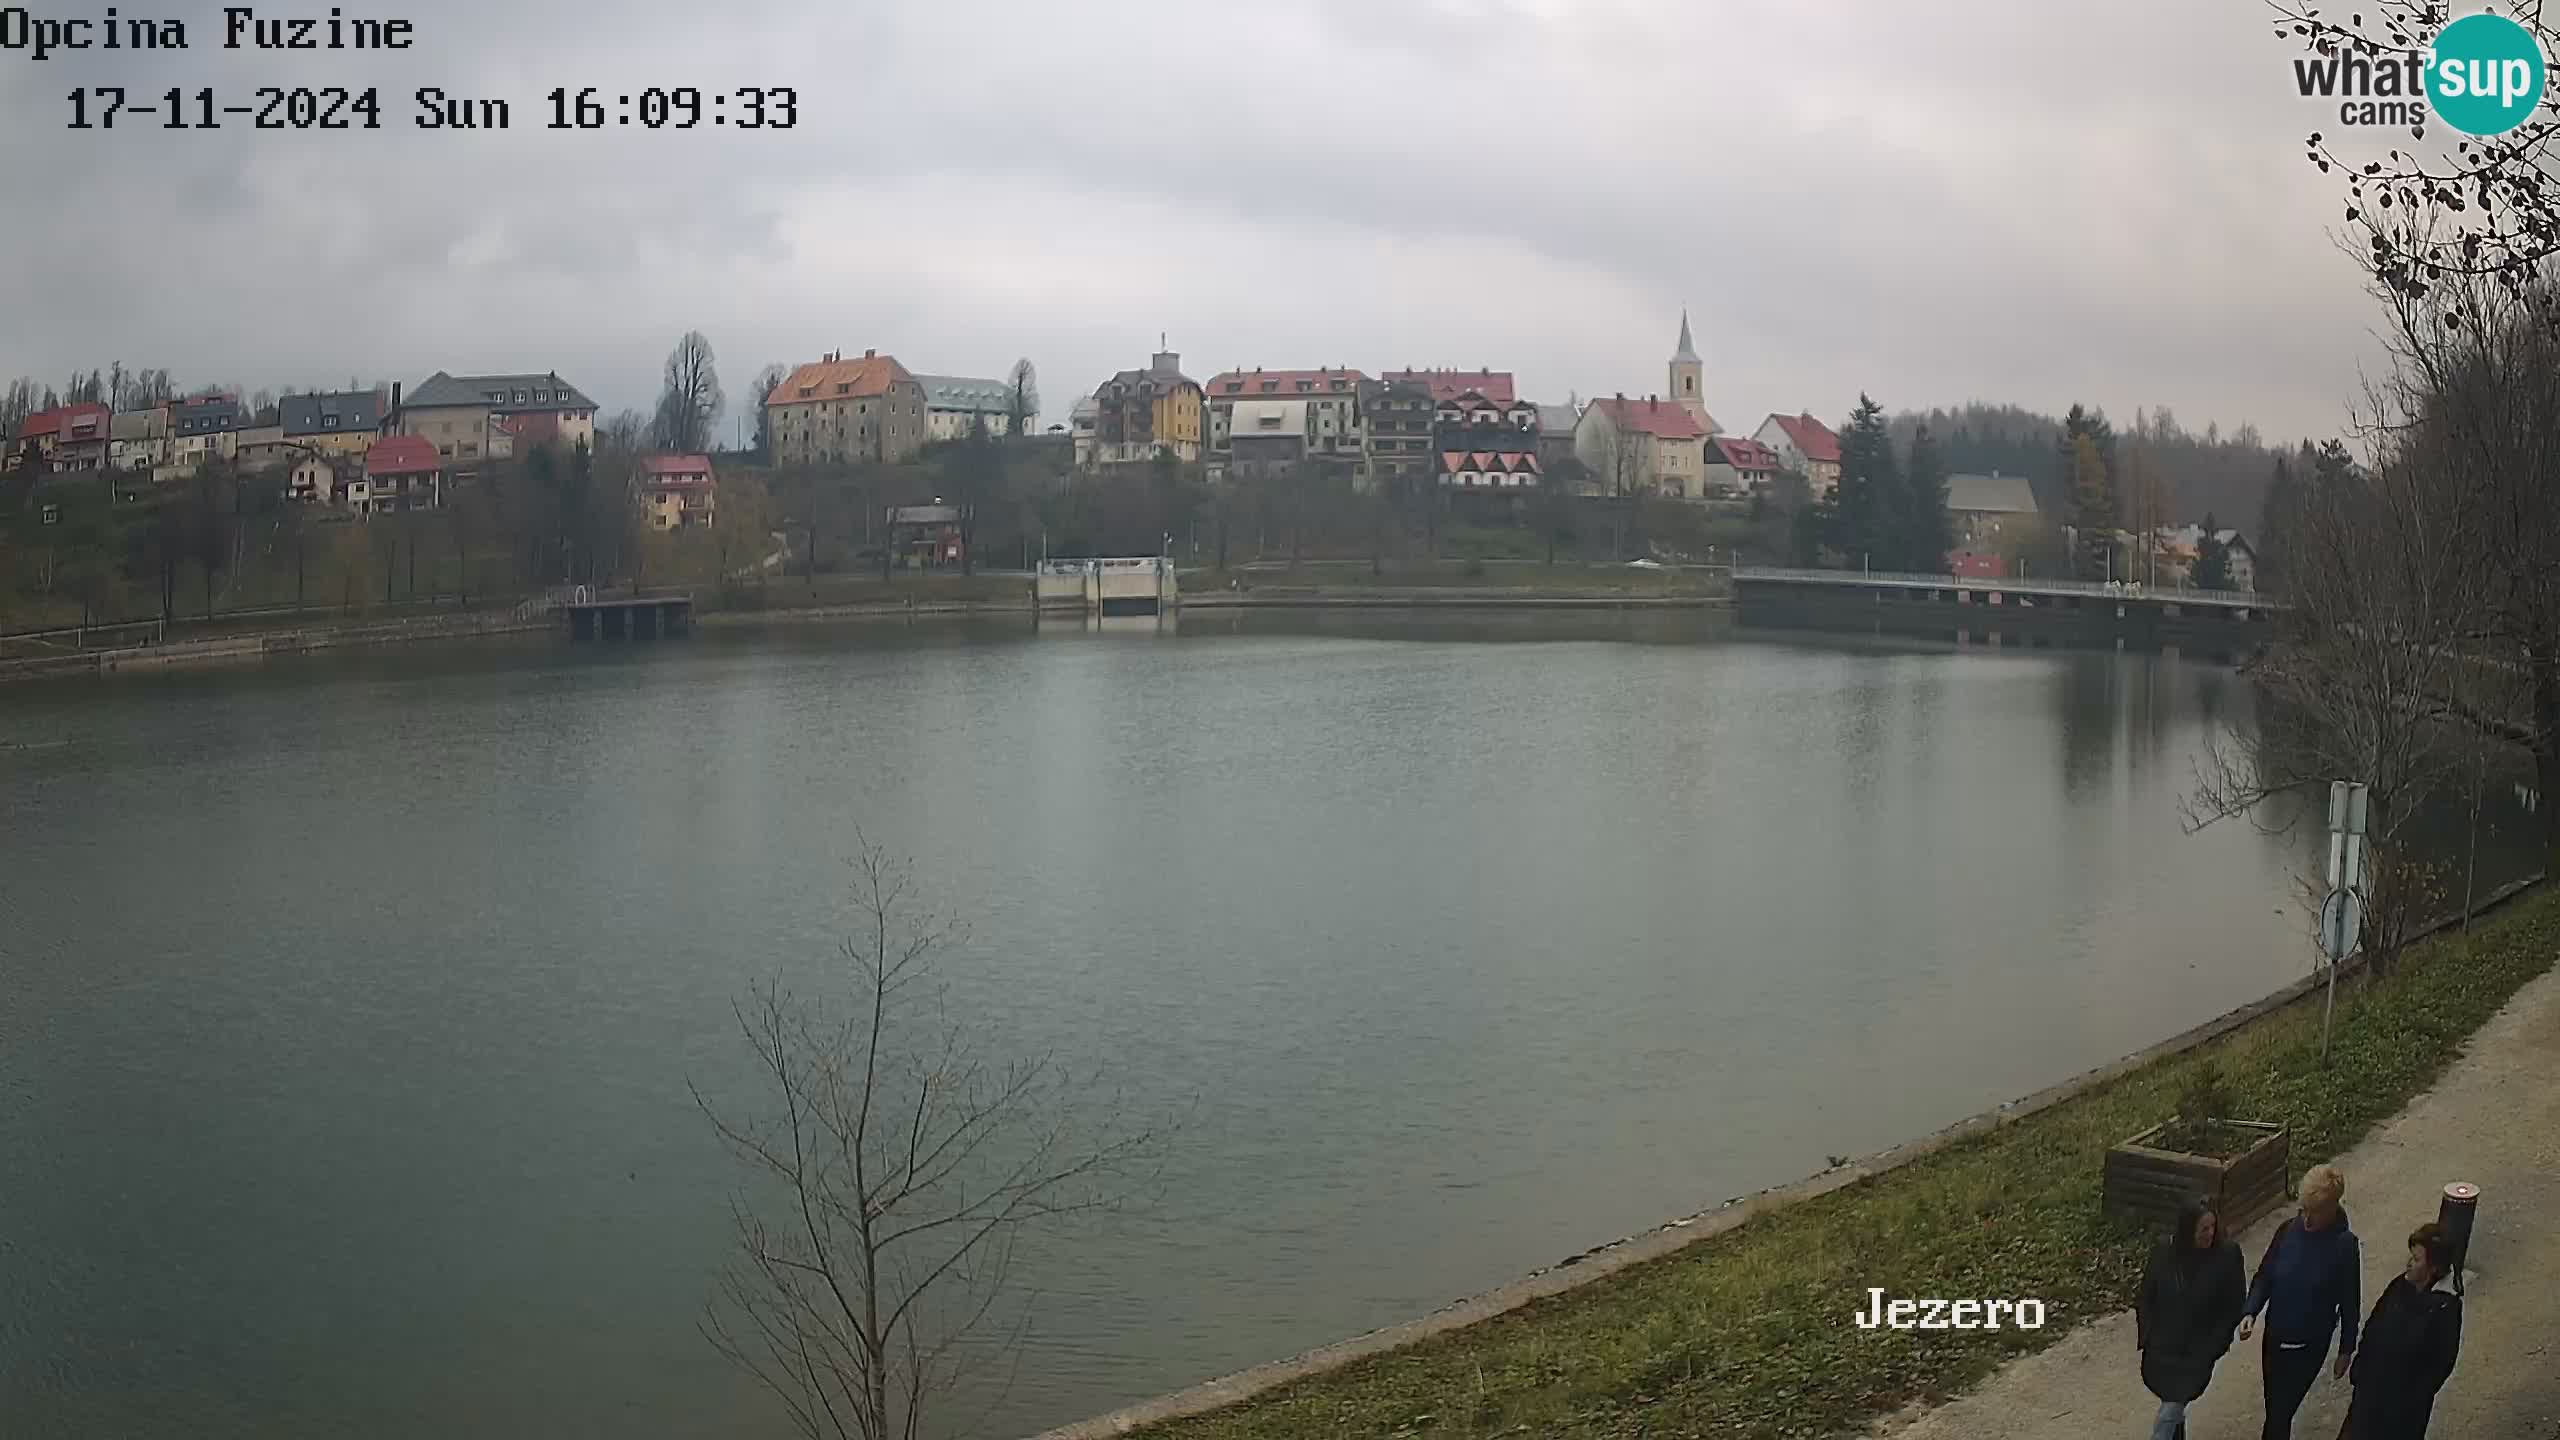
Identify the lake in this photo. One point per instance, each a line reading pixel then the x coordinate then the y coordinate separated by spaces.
pixel 348 1004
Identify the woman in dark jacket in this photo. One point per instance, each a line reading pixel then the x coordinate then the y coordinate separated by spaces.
pixel 2409 1345
pixel 2191 1296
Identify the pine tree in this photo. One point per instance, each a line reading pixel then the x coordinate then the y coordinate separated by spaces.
pixel 1927 534
pixel 2275 523
pixel 2213 560
pixel 2092 476
pixel 1865 509
pixel 2092 508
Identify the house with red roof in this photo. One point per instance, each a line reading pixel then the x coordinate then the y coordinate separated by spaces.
pixel 1739 466
pixel 1650 446
pixel 1514 469
pixel 676 491
pixel 1333 416
pixel 1494 385
pixel 66 437
pixel 401 472
pixel 1805 445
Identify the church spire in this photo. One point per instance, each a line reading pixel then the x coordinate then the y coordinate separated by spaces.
pixel 1688 349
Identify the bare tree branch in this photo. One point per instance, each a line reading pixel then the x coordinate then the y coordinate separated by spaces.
pixel 897 1171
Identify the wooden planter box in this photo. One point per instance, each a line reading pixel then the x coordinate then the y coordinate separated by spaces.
pixel 2148 1183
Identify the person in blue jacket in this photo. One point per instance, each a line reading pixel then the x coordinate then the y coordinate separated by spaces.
pixel 2306 1284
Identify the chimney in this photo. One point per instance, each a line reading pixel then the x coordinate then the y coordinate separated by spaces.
pixel 870 354
pixel 393 422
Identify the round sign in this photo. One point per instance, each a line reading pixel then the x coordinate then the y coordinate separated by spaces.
pixel 2484 74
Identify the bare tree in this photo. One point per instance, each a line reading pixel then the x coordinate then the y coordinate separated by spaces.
pixel 1022 398
pixel 2370 678
pixel 767 380
pixel 2481 354
pixel 898 1169
pixel 623 430
pixel 689 407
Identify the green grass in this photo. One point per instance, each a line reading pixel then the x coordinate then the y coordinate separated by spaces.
pixel 1459 574
pixel 791 592
pixel 1748 1334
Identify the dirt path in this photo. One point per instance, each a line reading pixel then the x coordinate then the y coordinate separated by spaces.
pixel 2493 1120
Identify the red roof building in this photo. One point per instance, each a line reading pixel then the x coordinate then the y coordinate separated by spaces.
pixel 66 436
pixel 1662 419
pixel 1638 447
pixel 1494 385
pixel 1489 469
pixel 1333 427
pixel 401 455
pixel 1284 384
pixel 1812 438
pixel 675 471
pixel 401 472
pixel 676 490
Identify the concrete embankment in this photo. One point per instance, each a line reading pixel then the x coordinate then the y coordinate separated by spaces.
pixel 1451 597
pixel 256 645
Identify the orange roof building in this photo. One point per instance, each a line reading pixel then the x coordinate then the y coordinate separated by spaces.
pixel 837 411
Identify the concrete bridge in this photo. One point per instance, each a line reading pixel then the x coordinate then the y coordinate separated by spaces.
pixel 1140 585
pixel 2037 612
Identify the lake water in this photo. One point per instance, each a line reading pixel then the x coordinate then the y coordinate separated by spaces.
pixel 348 1005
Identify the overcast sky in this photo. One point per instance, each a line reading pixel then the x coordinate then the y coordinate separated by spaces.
pixel 1930 200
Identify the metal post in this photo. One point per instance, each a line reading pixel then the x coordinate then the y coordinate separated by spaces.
pixel 2457 1212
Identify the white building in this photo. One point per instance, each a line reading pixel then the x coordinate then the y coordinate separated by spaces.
pixel 955 404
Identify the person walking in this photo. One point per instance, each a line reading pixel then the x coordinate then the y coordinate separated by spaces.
pixel 2410 1342
pixel 2306 1284
pixel 2191 1296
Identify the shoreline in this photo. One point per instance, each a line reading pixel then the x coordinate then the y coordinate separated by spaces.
pixel 251 645
pixel 1576 1272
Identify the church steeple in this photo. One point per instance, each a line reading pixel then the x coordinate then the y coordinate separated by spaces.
pixel 1688 376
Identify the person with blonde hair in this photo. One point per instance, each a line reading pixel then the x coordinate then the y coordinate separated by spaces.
pixel 2306 1284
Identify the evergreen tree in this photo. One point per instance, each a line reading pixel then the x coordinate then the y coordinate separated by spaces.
pixel 2213 559
pixel 2091 472
pixel 1927 534
pixel 1865 508
pixel 2092 508
pixel 2276 523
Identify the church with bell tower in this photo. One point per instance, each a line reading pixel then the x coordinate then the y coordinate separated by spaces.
pixel 1688 380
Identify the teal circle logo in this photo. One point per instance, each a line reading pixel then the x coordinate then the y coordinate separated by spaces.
pixel 2484 75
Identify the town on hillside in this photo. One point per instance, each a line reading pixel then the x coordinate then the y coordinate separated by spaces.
pixel 1303 461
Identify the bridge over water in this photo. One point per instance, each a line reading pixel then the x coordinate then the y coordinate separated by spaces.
pixel 2228 622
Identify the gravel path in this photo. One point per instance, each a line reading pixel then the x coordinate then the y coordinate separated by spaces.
pixel 2493 1120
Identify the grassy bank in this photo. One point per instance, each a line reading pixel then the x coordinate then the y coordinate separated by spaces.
pixel 826 591
pixel 1525 576
pixel 1748 1334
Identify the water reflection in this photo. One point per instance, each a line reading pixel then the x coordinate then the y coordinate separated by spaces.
pixel 350 1003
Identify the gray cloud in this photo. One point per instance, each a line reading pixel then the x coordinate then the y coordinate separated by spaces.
pixel 1932 201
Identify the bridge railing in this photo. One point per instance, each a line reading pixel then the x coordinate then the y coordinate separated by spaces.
pixel 1905 579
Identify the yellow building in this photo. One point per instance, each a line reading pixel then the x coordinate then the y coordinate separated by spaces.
pixel 677 491
pixel 340 423
pixel 1140 412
